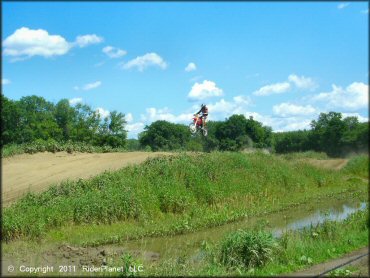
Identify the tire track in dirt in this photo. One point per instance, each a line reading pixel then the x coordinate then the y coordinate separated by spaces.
pixel 334 164
pixel 316 270
pixel 35 173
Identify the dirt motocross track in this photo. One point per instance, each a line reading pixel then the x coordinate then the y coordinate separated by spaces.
pixel 34 173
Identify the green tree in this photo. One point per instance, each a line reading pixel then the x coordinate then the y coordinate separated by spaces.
pixel 163 135
pixel 10 121
pixel 65 116
pixel 328 132
pixel 37 119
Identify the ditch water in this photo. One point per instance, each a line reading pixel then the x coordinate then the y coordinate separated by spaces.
pixel 292 219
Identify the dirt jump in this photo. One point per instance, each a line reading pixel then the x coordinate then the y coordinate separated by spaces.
pixel 34 173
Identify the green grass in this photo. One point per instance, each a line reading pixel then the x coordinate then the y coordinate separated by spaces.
pixel 294 251
pixel 171 195
pixel 54 146
pixel 358 166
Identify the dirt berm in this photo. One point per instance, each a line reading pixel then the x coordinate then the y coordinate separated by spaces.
pixel 34 173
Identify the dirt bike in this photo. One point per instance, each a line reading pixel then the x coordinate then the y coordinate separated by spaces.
pixel 197 125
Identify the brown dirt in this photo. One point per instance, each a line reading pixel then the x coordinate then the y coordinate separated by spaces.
pixel 34 173
pixel 334 164
pixel 362 265
pixel 67 255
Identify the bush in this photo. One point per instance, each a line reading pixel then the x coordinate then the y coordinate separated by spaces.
pixel 247 248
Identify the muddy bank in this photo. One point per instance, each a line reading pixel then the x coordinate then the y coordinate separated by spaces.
pixel 154 250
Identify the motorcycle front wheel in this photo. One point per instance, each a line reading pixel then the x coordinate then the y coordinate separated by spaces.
pixel 192 128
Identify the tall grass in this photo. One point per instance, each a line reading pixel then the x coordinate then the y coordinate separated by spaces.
pixel 54 146
pixel 293 251
pixel 358 166
pixel 249 249
pixel 197 190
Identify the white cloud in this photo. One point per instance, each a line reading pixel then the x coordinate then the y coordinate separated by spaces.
pixel 245 100
pixel 134 129
pixel 25 43
pixel 102 112
pixel 85 40
pixel 359 117
pixel 145 61
pixel 5 81
pixel 288 109
pixel 302 82
pixel 191 67
pixel 75 100
pixel 343 5
pixel 129 118
pixel 365 11
pixel 277 88
pixel 113 52
pixel 221 107
pixel 204 90
pixel 154 114
pixel 91 86
pixel 281 124
pixel 353 97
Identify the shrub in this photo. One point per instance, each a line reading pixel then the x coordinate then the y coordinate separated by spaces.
pixel 247 248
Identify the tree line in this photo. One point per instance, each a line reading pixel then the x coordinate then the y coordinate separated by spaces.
pixel 32 118
pixel 330 133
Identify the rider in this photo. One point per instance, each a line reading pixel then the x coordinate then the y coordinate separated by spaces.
pixel 204 115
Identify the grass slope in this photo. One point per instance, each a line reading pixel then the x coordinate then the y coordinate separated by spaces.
pixel 172 195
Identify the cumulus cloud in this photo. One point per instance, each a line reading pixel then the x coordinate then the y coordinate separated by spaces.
pixel 145 61
pixel 134 129
pixel 343 5
pixel 102 112
pixel 25 43
pixel 113 52
pixel 91 86
pixel 288 109
pixel 85 40
pixel 74 101
pixel 154 114
pixel 281 123
pixel 353 97
pixel 359 117
pixel 276 88
pixel 5 81
pixel 191 67
pixel 245 100
pixel 204 90
pixel 302 82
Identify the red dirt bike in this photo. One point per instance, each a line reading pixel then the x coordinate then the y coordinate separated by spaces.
pixel 197 125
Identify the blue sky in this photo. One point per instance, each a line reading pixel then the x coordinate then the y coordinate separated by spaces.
pixel 282 63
